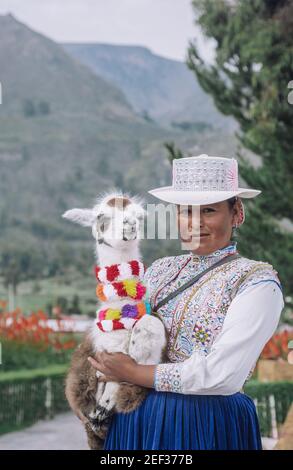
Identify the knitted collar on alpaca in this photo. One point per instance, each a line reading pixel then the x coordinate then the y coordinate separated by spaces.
pixel 125 318
pixel 118 290
pixel 118 281
pixel 120 272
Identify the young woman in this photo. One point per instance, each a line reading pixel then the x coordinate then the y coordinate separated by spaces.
pixel 217 327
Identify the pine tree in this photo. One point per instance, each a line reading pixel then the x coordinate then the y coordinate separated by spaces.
pixel 250 80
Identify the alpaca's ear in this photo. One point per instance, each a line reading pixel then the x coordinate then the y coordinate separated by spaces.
pixel 84 217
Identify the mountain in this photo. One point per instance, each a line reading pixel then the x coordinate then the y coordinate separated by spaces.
pixel 66 135
pixel 34 67
pixel 61 126
pixel 164 89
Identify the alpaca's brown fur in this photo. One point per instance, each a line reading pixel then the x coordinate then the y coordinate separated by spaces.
pixel 81 387
pixel 81 382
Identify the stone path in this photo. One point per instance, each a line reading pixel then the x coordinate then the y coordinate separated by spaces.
pixel 64 432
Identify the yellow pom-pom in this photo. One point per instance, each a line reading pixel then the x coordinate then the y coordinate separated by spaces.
pixel 130 287
pixel 112 314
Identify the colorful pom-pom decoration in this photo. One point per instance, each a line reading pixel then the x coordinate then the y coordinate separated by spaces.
pixel 116 282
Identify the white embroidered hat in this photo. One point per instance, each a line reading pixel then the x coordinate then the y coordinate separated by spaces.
pixel 203 180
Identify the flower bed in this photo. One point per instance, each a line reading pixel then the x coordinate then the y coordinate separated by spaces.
pixel 277 346
pixel 27 342
pixel 34 360
pixel 273 365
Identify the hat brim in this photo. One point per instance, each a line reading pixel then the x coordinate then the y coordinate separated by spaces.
pixel 168 194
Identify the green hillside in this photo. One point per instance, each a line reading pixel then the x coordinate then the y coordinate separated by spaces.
pixel 163 88
pixel 66 135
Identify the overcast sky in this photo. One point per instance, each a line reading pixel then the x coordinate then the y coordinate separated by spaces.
pixel 164 26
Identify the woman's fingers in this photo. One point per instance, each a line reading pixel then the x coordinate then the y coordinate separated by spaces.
pixel 97 365
pixel 101 360
pixel 102 356
pixel 106 359
pixel 107 378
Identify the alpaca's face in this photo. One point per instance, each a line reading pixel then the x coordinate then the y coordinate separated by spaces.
pixel 119 221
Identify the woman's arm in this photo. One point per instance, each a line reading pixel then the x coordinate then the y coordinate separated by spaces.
pixel 251 320
pixel 120 367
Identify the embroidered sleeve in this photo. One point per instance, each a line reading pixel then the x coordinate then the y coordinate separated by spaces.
pixel 168 378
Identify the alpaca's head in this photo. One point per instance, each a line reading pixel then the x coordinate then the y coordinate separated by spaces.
pixel 116 220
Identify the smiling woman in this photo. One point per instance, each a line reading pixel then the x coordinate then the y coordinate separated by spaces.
pixel 217 326
pixel 214 227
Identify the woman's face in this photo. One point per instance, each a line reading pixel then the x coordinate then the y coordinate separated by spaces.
pixel 215 226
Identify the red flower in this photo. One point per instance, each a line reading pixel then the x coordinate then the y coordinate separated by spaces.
pixel 277 346
pixel 31 329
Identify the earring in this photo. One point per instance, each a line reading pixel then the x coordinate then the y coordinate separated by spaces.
pixel 241 214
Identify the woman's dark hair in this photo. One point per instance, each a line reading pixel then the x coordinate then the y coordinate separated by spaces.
pixel 231 203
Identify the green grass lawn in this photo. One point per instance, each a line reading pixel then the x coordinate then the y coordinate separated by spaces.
pixel 35 295
pixel 13 375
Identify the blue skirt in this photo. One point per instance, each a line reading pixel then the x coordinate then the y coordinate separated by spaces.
pixel 173 421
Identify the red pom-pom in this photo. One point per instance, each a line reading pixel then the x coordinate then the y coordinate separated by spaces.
pixel 120 289
pixel 97 269
pixel 100 326
pixel 117 325
pixel 140 291
pixel 112 272
pixel 134 267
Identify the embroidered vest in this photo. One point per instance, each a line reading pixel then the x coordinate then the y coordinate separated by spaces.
pixel 195 317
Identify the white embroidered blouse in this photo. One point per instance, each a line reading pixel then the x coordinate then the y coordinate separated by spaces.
pixel 218 327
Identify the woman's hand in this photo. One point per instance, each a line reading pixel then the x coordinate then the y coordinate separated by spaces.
pixel 117 367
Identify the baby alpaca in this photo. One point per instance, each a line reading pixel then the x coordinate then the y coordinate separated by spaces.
pixel 125 323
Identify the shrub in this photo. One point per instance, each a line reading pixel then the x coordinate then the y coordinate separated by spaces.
pixel 27 396
pixel 272 400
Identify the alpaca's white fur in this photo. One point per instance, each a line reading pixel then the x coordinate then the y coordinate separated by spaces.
pixel 147 339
